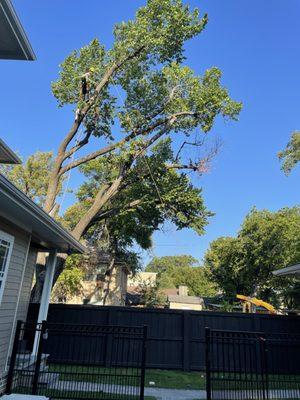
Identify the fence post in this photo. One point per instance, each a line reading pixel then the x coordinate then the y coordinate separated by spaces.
pixel 13 357
pixel 38 359
pixel 265 378
pixel 186 340
pixel 109 339
pixel 208 363
pixel 143 364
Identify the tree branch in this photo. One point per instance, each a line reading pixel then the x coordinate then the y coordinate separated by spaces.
pixel 197 143
pixel 191 166
pixel 83 112
pixel 105 150
pixel 78 146
pixel 114 211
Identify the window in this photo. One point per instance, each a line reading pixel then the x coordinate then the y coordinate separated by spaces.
pixel 6 245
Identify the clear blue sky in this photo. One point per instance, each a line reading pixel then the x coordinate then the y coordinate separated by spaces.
pixel 256 45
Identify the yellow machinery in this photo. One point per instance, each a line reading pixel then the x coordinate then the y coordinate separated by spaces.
pixel 250 304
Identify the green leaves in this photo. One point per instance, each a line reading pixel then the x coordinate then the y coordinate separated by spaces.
pixel 161 27
pixel 266 241
pixel 182 270
pixel 291 155
pixel 176 94
pixel 151 194
pixel 91 59
pixel 32 176
pixel 145 65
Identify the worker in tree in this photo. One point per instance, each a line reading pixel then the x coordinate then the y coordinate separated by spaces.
pixel 85 86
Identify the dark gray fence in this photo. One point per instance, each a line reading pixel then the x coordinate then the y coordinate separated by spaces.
pixel 252 365
pixel 176 338
pixel 78 362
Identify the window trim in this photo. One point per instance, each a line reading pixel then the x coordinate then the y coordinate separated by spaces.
pixel 8 238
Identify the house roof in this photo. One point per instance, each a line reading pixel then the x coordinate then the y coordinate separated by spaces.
pixel 21 211
pixel 7 156
pixel 170 291
pixel 292 270
pixel 14 44
pixel 185 299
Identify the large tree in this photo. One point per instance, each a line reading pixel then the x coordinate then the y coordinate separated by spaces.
pixel 160 95
pixel 135 94
pixel 243 264
pixel 184 269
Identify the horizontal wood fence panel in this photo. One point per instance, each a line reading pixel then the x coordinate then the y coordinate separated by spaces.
pixel 176 338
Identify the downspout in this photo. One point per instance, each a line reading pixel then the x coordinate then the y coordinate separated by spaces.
pixel 46 294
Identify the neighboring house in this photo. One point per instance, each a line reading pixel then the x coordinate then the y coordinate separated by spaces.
pixel 177 298
pixel 182 301
pixel 99 284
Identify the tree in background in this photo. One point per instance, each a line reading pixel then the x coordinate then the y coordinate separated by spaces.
pixel 266 241
pixel 32 176
pixel 174 271
pixel 68 283
pixel 151 294
pixel 290 156
pixel 127 99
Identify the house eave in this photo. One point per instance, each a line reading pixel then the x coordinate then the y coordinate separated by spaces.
pixel 7 156
pixel 14 44
pixel 47 233
pixel 292 270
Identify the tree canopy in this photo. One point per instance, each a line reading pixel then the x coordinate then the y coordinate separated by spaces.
pixel 139 93
pixel 265 242
pixel 174 271
pixel 32 175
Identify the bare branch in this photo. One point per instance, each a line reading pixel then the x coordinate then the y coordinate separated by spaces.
pixel 202 165
pixel 197 143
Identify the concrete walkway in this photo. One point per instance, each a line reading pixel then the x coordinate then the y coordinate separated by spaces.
pixel 175 394
pixel 158 393
pixel 166 394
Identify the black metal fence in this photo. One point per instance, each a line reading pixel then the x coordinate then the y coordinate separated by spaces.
pixel 80 362
pixel 176 338
pixel 252 365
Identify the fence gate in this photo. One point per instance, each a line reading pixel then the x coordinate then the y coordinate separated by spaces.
pixel 80 362
pixel 252 365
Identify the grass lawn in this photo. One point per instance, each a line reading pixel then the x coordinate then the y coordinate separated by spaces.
pixel 170 379
pixel 175 379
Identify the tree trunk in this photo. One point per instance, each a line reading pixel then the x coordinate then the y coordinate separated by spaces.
pixel 108 280
pixel 40 271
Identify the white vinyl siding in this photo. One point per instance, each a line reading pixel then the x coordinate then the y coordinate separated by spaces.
pixel 16 293
pixel 6 246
